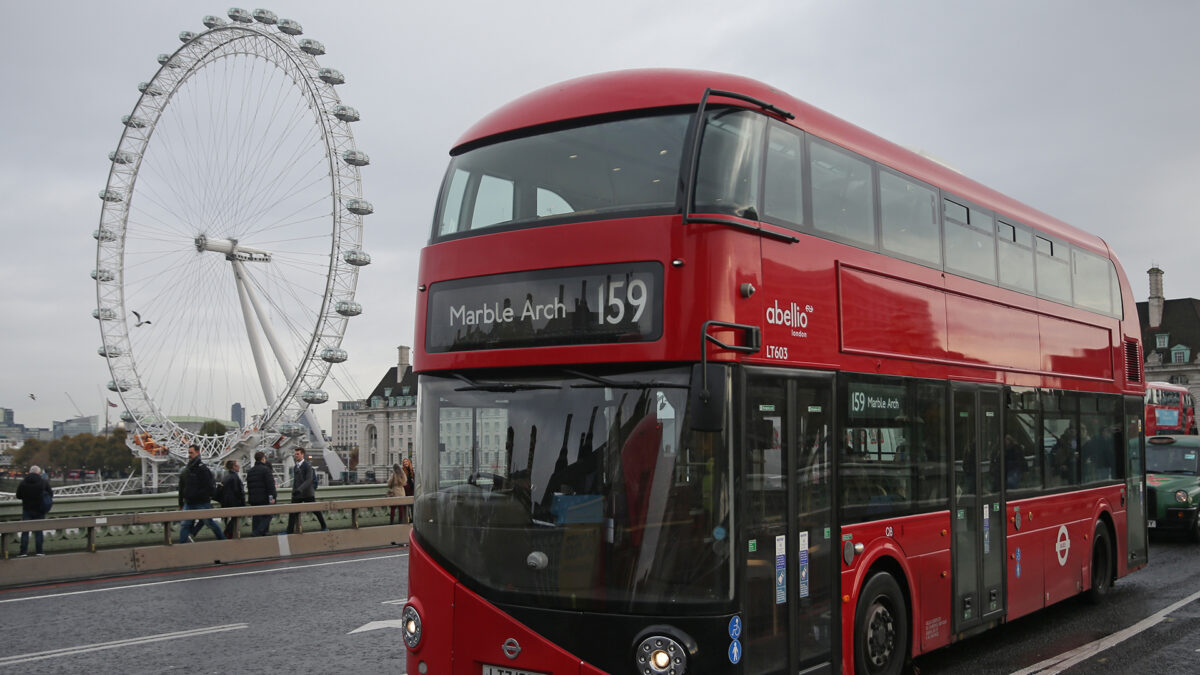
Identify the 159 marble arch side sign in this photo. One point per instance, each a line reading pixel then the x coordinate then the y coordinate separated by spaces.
pixel 575 305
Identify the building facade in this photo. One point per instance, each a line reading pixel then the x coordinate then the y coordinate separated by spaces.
pixel 1170 336
pixel 382 428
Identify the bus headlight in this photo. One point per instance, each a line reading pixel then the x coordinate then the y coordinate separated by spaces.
pixel 412 626
pixel 1181 496
pixel 661 655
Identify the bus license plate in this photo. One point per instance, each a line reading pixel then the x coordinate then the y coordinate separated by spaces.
pixel 501 670
pixel 1151 523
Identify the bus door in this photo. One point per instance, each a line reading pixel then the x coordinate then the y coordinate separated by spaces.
pixel 1135 484
pixel 977 513
pixel 787 534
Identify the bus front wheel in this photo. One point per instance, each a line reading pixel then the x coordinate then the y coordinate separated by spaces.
pixel 880 627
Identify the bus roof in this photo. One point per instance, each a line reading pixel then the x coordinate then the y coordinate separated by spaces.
pixel 628 90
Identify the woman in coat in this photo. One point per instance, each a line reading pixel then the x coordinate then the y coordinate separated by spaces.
pixel 395 489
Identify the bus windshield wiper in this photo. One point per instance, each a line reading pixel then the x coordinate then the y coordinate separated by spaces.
pixel 613 384
pixel 500 386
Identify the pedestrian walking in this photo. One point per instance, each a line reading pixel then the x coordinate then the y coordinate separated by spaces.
pixel 260 488
pixel 196 490
pixel 410 486
pixel 233 493
pixel 33 492
pixel 395 488
pixel 304 490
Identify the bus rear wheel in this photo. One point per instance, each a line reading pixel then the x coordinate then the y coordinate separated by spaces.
pixel 880 627
pixel 1102 564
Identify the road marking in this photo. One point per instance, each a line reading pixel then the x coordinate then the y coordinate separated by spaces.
pixel 1057 664
pixel 213 576
pixel 100 646
pixel 376 625
pixel 402 601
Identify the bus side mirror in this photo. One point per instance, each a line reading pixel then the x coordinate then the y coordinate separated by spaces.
pixel 707 397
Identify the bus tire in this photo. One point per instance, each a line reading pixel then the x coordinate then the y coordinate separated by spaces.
pixel 1102 565
pixel 880 627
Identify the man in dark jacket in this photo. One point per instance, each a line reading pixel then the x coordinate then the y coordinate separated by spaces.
pixel 260 486
pixel 233 493
pixel 303 490
pixel 196 489
pixel 32 492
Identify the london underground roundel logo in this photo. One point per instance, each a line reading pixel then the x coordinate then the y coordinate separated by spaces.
pixel 1063 546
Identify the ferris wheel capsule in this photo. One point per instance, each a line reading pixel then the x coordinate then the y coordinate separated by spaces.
pixel 240 15
pixel 104 314
pixel 357 257
pixel 149 89
pixel 133 122
pixel 121 157
pixel 266 16
pixel 359 207
pixel 313 47
pixel 293 429
pixel 211 21
pixel 186 36
pixel 168 61
pixel 347 308
pixel 334 355
pixel 289 27
pixel 314 396
pixel 331 76
pixel 102 275
pixel 119 385
pixel 104 234
pixel 356 158
pixel 109 351
pixel 112 196
pixel 345 113
pixel 126 417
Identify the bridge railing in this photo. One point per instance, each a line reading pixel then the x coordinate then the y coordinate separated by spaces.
pixel 145 540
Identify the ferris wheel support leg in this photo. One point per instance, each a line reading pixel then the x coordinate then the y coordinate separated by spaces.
pixel 247 298
pixel 332 462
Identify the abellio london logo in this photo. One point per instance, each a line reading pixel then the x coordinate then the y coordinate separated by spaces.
pixel 793 316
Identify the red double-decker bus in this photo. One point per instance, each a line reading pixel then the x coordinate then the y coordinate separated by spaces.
pixel 712 381
pixel 1170 409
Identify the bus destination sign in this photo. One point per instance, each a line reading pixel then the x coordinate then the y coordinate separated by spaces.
pixel 876 401
pixel 598 304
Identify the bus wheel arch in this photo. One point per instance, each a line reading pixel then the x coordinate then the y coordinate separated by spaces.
pixel 1104 559
pixel 883 621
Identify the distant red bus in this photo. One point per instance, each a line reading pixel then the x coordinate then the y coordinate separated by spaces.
pixel 712 381
pixel 1170 409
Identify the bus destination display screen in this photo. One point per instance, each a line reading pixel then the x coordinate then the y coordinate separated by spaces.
pixel 599 304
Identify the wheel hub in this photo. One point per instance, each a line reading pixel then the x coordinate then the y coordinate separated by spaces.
pixel 881 636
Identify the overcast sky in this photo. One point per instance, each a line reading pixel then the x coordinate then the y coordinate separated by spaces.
pixel 1086 110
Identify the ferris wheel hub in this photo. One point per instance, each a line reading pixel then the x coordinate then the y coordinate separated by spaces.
pixel 231 249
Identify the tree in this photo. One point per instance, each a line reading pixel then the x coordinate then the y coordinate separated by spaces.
pixel 31 452
pixel 212 428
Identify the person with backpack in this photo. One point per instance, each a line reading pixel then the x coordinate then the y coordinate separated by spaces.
pixel 36 497
pixel 304 490
pixel 196 491
pixel 232 493
pixel 260 488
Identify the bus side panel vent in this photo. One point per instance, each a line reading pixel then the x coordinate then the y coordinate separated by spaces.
pixel 1133 361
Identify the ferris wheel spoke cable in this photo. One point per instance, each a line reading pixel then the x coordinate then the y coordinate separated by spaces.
pixel 280 194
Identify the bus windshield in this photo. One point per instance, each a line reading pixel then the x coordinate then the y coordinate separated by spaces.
pixel 616 168
pixel 573 491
